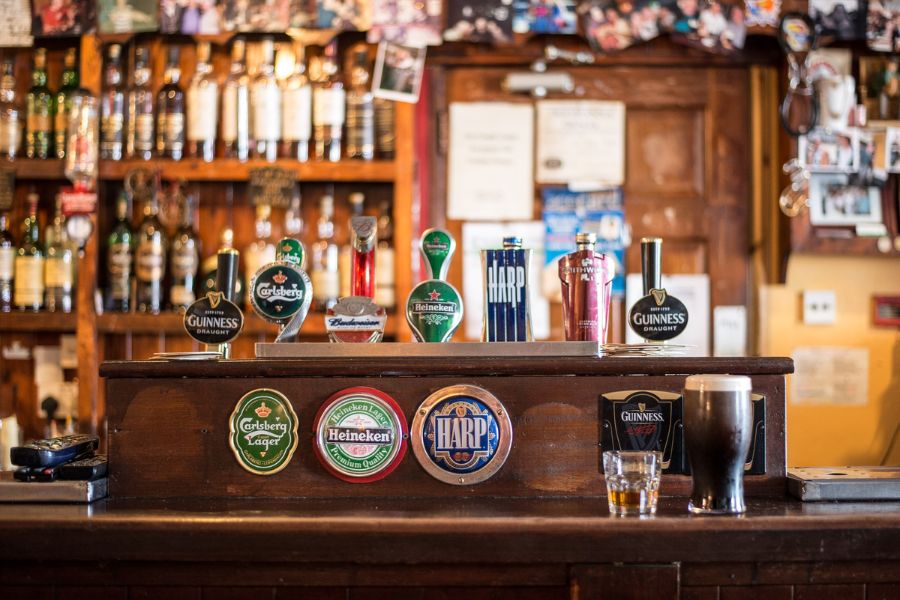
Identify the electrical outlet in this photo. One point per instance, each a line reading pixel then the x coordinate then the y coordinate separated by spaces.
pixel 819 307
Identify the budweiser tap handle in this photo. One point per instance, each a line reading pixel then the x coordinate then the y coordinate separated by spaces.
pixel 362 279
pixel 227 272
pixel 651 263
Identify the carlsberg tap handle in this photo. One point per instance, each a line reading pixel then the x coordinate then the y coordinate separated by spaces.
pixel 437 246
pixel 291 250
pixel 227 272
pixel 651 263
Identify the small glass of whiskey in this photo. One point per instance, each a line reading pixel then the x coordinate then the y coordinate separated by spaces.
pixel 632 481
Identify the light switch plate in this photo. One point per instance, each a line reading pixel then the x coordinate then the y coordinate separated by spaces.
pixel 819 307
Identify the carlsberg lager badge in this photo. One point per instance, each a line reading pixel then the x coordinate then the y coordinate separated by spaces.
pixel 263 432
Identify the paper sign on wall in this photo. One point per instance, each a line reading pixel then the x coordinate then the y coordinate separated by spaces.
pixel 693 291
pixel 490 165
pixel 15 23
pixel 830 375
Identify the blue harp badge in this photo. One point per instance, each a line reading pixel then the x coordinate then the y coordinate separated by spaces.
pixel 507 313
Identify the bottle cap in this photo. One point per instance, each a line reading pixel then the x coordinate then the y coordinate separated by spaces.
pixel 586 237
pixel 512 242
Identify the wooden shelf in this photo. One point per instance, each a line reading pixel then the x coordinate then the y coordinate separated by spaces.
pixel 230 169
pixel 34 168
pixel 41 321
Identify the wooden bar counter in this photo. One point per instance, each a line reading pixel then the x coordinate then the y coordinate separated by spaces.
pixel 184 520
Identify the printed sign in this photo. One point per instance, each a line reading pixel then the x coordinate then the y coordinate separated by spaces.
pixel 213 320
pixel 273 186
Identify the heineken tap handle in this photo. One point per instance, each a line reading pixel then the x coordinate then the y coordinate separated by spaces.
pixel 227 272
pixel 651 263
pixel 437 248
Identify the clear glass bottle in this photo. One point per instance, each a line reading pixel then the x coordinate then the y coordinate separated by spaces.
pixel 140 140
pixel 236 105
pixel 385 287
pixel 67 88
pixel 360 106
pixel 119 257
pixel 112 106
pixel 7 264
pixel 170 110
pixel 150 259
pixel 10 114
pixel 296 111
pixel 325 273
pixel 184 259
pixel 345 264
pixel 385 138
pixel 39 110
pixel 28 278
pixel 59 265
pixel 203 107
pixel 328 104
pixel 262 250
pixel 265 99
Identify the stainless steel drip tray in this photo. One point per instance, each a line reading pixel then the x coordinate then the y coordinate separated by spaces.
pixel 406 349
pixel 844 483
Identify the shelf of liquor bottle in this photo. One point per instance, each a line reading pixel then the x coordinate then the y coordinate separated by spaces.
pixel 35 168
pixel 38 321
pixel 172 323
pixel 228 169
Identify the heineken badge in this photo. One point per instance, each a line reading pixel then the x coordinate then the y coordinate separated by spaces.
pixel 279 291
pixel 360 435
pixel 213 320
pixel 658 316
pixel 461 435
pixel 263 432
pixel 437 246
pixel 355 319
pixel 434 310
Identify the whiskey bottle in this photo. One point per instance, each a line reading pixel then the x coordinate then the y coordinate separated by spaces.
pixel 59 266
pixel 384 128
pixel 7 263
pixel 150 259
pixel 39 110
pixel 345 264
pixel 385 289
pixel 261 251
pixel 139 141
pixel 236 106
pixel 10 115
pixel 328 104
pixel 202 108
pixel 119 255
pixel 265 99
pixel 293 217
pixel 170 110
pixel 67 90
pixel 112 107
pixel 184 259
pixel 360 106
pixel 28 285
pixel 296 111
pixel 325 274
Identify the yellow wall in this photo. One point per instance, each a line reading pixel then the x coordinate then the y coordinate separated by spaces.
pixel 834 435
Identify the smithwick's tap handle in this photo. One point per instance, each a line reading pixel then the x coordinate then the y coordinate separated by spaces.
pixel 227 272
pixel 437 246
pixel 651 263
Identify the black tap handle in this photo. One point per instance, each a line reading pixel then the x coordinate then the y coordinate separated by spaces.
pixel 227 272
pixel 651 263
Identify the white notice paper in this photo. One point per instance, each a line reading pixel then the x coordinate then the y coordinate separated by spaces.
pixel 581 143
pixel 15 23
pixel 693 290
pixel 491 153
pixel 830 375
pixel 478 236
pixel 730 331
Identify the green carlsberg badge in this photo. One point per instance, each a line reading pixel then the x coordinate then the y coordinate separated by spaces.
pixel 263 432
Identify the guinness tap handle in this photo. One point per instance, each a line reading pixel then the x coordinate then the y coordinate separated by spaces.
pixel 227 272
pixel 651 263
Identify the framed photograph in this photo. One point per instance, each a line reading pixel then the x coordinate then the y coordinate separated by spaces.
pixel 191 16
pixel 60 18
pixel 840 19
pixel 487 21
pixel 712 25
pixel 871 162
pixel 763 13
pixel 823 151
pixel 544 16
pixel 892 150
pixel 256 15
pixel 411 22
pixel 833 201
pixel 398 72
pixel 344 15
pixel 127 16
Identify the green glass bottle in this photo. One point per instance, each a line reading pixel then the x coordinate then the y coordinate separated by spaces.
pixel 28 285
pixel 59 266
pixel 150 259
pixel 39 111
pixel 64 102
pixel 184 259
pixel 119 257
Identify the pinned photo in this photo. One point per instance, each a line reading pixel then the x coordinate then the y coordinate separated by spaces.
pixel 127 16
pixel 833 201
pixel 615 26
pixel 256 15
pixel 190 16
pixel 489 21
pixel 344 15
pixel 710 24
pixel 398 72
pixel 411 22
pixel 892 150
pixel 871 162
pixel 828 151
pixel 544 16
pixel 840 19
pixel 58 17
pixel 763 13
pixel 883 25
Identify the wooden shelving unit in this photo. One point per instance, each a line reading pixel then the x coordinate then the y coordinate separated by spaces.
pixel 44 321
pixel 226 169
pixel 35 169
